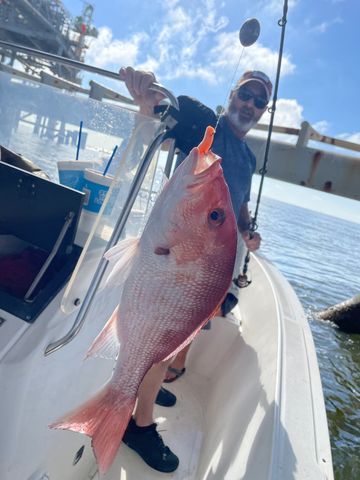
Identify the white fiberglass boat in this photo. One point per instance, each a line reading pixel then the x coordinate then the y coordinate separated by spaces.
pixel 250 405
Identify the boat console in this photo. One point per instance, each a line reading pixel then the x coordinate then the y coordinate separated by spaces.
pixel 38 222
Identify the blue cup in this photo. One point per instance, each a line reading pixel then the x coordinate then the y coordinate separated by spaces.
pixel 71 173
pixel 95 186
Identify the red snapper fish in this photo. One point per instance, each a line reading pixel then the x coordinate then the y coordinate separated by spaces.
pixel 177 275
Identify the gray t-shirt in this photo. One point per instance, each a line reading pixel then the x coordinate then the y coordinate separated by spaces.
pixel 238 163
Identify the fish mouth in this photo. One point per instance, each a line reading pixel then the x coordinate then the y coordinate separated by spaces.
pixel 206 168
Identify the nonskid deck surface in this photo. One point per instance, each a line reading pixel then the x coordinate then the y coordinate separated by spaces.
pixel 182 425
pixel 181 429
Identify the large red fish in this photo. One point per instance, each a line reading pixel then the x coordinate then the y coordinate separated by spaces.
pixel 177 276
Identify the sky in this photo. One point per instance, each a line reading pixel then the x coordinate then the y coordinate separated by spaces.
pixel 192 46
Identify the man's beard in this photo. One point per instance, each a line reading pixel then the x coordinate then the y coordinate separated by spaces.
pixel 239 124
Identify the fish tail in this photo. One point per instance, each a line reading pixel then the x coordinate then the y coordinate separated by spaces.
pixel 104 418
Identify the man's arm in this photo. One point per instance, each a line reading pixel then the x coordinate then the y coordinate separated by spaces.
pixel 244 222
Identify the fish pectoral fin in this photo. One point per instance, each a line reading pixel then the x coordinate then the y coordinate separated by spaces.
pixel 106 344
pixel 122 255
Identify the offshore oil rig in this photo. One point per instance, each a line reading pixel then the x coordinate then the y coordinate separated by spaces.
pixel 34 36
pixel 47 26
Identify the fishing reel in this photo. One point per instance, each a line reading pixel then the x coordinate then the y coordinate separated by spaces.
pixel 242 280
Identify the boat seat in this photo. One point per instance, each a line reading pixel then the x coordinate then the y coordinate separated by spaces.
pixel 38 222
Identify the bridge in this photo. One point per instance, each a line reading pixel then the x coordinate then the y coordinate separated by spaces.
pixel 45 25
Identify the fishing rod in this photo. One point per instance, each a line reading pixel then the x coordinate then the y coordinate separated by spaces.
pixel 242 280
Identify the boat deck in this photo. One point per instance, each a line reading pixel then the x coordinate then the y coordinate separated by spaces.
pixel 250 396
pixel 182 426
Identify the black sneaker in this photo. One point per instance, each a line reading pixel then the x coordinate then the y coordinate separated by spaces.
pixel 228 304
pixel 165 398
pixel 147 442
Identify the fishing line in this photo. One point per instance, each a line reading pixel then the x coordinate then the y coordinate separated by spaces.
pixel 248 34
pixel 222 106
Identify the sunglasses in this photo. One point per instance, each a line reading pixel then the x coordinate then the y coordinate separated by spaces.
pixel 245 95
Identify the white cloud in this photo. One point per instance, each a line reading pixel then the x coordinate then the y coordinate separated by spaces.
pixel 182 37
pixel 323 27
pixel 224 57
pixel 195 72
pixel 105 51
pixel 289 113
pixel 351 137
pixel 322 126
pixel 188 43
pixel 276 6
pixel 151 64
pixel 175 51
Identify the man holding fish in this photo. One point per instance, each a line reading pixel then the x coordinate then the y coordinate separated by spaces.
pixel 247 102
pixel 175 277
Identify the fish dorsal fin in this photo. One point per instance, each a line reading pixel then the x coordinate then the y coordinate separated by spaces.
pixel 122 256
pixel 106 344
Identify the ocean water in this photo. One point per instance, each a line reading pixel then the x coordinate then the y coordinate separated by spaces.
pixel 319 256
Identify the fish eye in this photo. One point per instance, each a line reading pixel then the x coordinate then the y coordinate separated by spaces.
pixel 216 217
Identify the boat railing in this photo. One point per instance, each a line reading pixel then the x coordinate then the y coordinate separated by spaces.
pixel 307 132
pixel 81 66
pixel 116 235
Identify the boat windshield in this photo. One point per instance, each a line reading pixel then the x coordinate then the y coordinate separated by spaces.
pixel 42 123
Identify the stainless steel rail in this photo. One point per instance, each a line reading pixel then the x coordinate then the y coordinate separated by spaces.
pixel 64 229
pixel 82 66
pixel 134 190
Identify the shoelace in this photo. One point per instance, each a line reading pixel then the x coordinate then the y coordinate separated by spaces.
pixel 160 442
